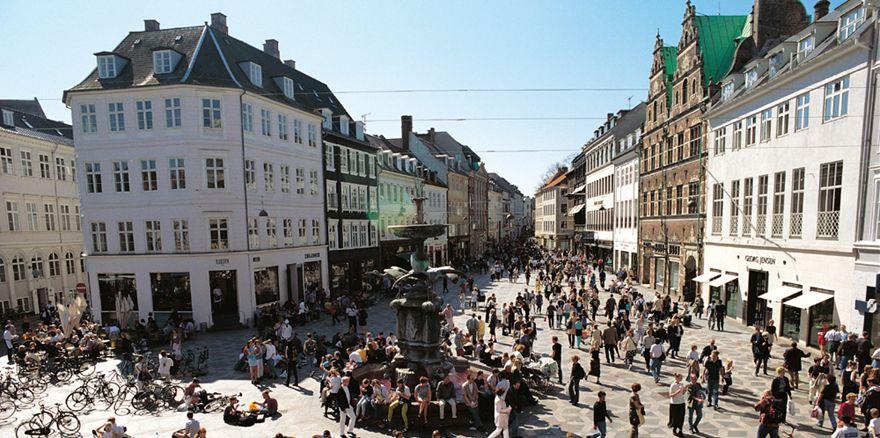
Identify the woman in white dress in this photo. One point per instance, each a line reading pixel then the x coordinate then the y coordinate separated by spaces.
pixel 502 414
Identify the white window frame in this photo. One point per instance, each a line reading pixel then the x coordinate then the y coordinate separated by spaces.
pixel 12 219
pixel 250 174
pixel 737 136
pixel 153 235
pixel 300 174
pixel 6 160
pixel 287 87
pixel 172 112
pixel 720 140
pixel 116 116
pixel 107 66
pixel 268 177
pixel 45 166
pixel 766 125
pixel 125 232
pixel 247 117
pixel 27 163
pixel 161 62
pixel 180 229
pixel 255 73
pixel 282 127
pixel 177 173
pixel 149 176
pixel 144 114
pixel 212 113
pixel 215 171
pixel 93 177
pixel 313 182
pixel 751 130
pixel 805 46
pixel 265 122
pixel 802 112
pixel 98 231
pixel 218 233
pixel 284 171
pixel 836 101
pixel 783 116
pixel 849 22
pixel 88 118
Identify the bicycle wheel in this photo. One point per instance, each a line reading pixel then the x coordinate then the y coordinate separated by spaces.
pixel 85 368
pixel 7 409
pixel 29 429
pixel 108 392
pixel 24 396
pixel 77 400
pixel 142 401
pixel 68 423
pixel 172 395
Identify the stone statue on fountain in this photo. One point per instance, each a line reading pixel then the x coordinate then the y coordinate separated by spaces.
pixel 417 306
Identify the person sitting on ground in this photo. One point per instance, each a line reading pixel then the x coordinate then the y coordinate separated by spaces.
pixel 190 430
pixel 269 406
pixel 235 417
pixel 194 394
pixel 109 430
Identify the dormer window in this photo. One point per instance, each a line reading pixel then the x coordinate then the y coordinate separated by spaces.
pixel 162 62
pixel 805 46
pixel 849 22
pixel 106 66
pixel 751 77
pixel 254 72
pixel 287 87
pixel 7 118
pixel 775 63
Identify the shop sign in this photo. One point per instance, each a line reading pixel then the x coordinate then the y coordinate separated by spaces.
pixel 313 255
pixel 222 261
pixel 760 260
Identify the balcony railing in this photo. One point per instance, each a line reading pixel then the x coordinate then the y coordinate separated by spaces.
pixel 734 224
pixel 716 225
pixel 761 225
pixel 747 226
pixel 828 224
pixel 796 226
pixel 776 226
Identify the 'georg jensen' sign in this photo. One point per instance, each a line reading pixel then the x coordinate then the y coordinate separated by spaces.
pixel 760 260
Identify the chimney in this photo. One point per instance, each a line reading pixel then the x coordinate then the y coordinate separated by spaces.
pixel 271 48
pixel 290 63
pixel 431 135
pixel 359 130
pixel 820 9
pixel 218 21
pixel 405 130
pixel 151 25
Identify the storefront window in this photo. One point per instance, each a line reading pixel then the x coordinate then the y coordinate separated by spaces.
pixel 822 313
pixel 791 320
pixel 312 276
pixel 659 272
pixel 266 285
pixel 111 285
pixel 337 276
pixel 673 276
pixel 171 291
pixel 733 298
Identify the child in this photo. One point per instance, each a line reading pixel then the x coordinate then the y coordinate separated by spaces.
pixel 600 413
pixel 874 424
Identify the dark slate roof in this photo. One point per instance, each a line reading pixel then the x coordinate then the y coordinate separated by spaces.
pixel 504 184
pixel 26 106
pixel 34 126
pixel 206 54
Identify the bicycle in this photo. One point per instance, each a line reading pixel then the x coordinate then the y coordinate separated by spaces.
pixel 16 392
pixel 41 423
pixel 93 389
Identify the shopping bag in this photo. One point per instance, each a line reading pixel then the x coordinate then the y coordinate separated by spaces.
pixel 792 409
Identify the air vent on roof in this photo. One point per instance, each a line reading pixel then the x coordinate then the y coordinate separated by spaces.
pixel 300 87
pixel 316 94
pixel 24 120
pixel 331 100
pixel 178 38
pixel 58 132
pixel 136 42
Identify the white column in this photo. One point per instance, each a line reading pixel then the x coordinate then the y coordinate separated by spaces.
pixel 144 293
pixel 200 290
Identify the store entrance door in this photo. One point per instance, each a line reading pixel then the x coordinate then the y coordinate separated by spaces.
pixel 224 298
pixel 756 308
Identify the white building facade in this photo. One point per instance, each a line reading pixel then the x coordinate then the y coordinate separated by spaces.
pixel 435 213
pixel 628 138
pixel 206 200
pixel 40 228
pixel 551 219
pixel 780 225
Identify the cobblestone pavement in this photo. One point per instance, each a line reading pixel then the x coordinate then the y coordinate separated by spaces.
pixel 554 416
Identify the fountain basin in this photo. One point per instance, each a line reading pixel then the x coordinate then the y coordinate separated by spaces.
pixel 418 231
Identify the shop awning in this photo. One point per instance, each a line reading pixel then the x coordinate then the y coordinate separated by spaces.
pixel 780 293
pixel 706 277
pixel 722 280
pixel 577 190
pixel 574 210
pixel 808 299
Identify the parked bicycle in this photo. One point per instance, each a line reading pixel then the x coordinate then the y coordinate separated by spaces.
pixel 42 423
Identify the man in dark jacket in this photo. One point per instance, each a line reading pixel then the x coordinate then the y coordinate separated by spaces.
pixel 577 373
pixel 792 359
pixel 864 348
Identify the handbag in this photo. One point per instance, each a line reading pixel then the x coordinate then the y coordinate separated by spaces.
pixel 792 409
pixel 815 412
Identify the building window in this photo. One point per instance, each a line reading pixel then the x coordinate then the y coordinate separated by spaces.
pixel 720 140
pixel 778 204
pixel 797 203
pixel 271 232
pixel 734 208
pixel 332 195
pixel 850 22
pixel 77 218
pixel 268 177
pixel 211 114
pixel 830 187
pixel 265 122
pixel 748 193
pixel 162 61
pixel 177 173
pixel 727 91
pixel 805 46
pixel 751 77
pixel 45 168
pixel 761 225
pixel 751 129
pixel 106 66
pixel 93 177
pixel 301 229
pixel 316 232
pixel 18 269
pixel 331 235
pixel 250 174
pixel 247 117
pixel 49 216
pixel 255 74
pixel 12 216
pixel 69 264
pixel 172 112
pixel 782 115
pixel 313 135
pixel 287 231
pixel 297 131
pixel 27 165
pixel 282 127
pixel 88 118
pixel 836 99
pixel 214 173
pixel 218 233
pixel 144 114
pixel 117 116
pixel 802 112
pixel 180 227
pixel 717 208
pixel 766 124
pixel 154 236
pixel 313 182
pixel 149 179
pixel 120 176
pixel 60 169
pixel 343 160
pixel 344 195
pixel 254 233
pixel 329 158
pixel 737 135
pixel 287 87
pixel 6 160
pixel 64 212
pixel 345 235
pixel 126 236
pixel 285 178
pixel 300 181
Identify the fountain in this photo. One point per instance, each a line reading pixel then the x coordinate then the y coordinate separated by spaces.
pixel 417 306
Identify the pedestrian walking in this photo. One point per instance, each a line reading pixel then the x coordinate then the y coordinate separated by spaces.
pixel 825 401
pixel 636 410
pixel 600 414
pixel 780 387
pixel 557 356
pixel 577 373
pixel 595 363
pixel 712 373
pixel 768 419
pixel 677 396
pixel 695 399
pixel 502 415
pixel 657 356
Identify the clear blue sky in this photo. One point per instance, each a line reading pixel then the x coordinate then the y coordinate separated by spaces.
pixel 391 45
